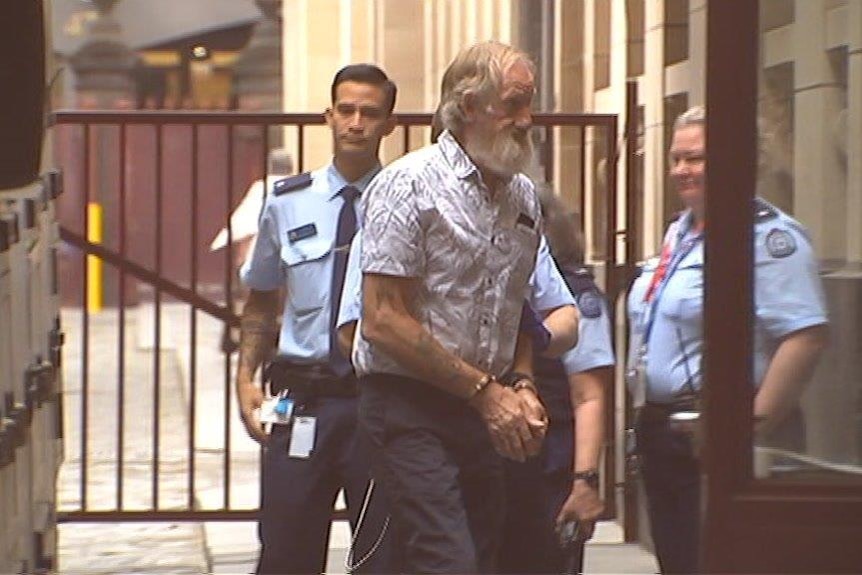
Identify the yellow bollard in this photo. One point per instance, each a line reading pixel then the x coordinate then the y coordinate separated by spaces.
pixel 94 264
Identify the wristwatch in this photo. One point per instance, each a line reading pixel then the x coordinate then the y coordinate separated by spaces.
pixel 591 477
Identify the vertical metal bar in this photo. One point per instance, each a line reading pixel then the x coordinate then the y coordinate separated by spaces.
pixel 264 160
pixel 633 207
pixel 193 323
pixel 583 202
pixel 611 276
pixel 300 146
pixel 633 253
pixel 548 154
pixel 228 294
pixel 121 312
pixel 611 216
pixel 85 324
pixel 157 310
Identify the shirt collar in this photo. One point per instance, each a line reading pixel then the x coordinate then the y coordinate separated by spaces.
pixel 458 159
pixel 337 182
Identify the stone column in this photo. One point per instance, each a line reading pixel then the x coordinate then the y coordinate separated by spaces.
pixel 104 64
pixel 257 76
pixel 854 137
pixel 257 88
pixel 654 140
pixel 820 196
pixel 104 69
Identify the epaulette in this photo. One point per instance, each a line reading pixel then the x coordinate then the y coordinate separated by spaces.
pixel 291 184
pixel 763 211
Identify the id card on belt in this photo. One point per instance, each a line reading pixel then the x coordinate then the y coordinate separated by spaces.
pixel 302 437
pixel 277 410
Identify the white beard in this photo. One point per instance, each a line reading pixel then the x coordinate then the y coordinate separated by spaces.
pixel 505 156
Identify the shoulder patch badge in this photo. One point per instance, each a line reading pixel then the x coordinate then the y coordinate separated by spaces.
pixel 780 243
pixel 590 304
pixel 292 183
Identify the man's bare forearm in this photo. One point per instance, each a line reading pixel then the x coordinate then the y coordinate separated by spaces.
pixel 257 333
pixel 388 324
pixel 407 342
pixel 588 401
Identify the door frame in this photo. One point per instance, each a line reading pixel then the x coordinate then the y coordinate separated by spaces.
pixel 749 525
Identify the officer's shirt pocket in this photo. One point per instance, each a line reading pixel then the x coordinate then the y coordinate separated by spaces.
pixel 684 295
pixel 308 273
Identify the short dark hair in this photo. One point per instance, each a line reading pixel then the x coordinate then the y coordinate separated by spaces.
pixel 367 74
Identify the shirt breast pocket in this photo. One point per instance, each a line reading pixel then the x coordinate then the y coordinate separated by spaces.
pixel 520 245
pixel 309 276
pixel 686 298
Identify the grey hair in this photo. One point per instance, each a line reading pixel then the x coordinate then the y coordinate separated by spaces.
pixel 478 71
pixel 694 116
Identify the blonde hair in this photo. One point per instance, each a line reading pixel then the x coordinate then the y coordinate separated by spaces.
pixel 478 71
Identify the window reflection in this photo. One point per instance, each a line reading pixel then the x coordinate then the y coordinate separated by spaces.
pixel 810 129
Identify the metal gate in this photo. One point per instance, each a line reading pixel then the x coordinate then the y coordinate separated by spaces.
pixel 151 427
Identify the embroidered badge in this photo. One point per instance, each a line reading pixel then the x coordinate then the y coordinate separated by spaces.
pixel 302 232
pixel 780 243
pixel 590 304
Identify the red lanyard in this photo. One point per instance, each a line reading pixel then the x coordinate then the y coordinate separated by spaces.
pixel 660 272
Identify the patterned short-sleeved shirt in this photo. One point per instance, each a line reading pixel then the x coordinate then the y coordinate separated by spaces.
pixel 429 216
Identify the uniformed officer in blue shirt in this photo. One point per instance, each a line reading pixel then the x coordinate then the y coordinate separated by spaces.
pixel 562 484
pixel 666 317
pixel 299 259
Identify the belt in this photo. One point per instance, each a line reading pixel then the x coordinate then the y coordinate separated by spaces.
pixel 315 380
pixel 660 412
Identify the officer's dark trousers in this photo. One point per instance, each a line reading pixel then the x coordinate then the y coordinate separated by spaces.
pixel 443 480
pixel 298 494
pixel 671 477
pixel 533 501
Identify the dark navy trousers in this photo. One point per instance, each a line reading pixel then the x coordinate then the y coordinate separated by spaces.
pixel 671 476
pixel 442 479
pixel 298 495
pixel 534 498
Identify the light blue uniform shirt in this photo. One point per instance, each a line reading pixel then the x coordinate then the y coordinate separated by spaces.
pixel 547 289
pixel 293 250
pixel 788 297
pixel 594 348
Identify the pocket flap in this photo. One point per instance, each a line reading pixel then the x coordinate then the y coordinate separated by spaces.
pixel 305 251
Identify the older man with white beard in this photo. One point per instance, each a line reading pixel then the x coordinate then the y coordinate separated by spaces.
pixel 449 241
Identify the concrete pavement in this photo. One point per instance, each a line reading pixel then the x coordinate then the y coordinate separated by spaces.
pixel 183 547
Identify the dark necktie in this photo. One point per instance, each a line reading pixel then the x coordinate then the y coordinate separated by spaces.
pixel 346 229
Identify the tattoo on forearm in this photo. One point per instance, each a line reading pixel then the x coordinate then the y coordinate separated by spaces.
pixel 256 339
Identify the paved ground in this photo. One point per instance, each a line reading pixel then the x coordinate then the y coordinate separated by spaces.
pixel 222 547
